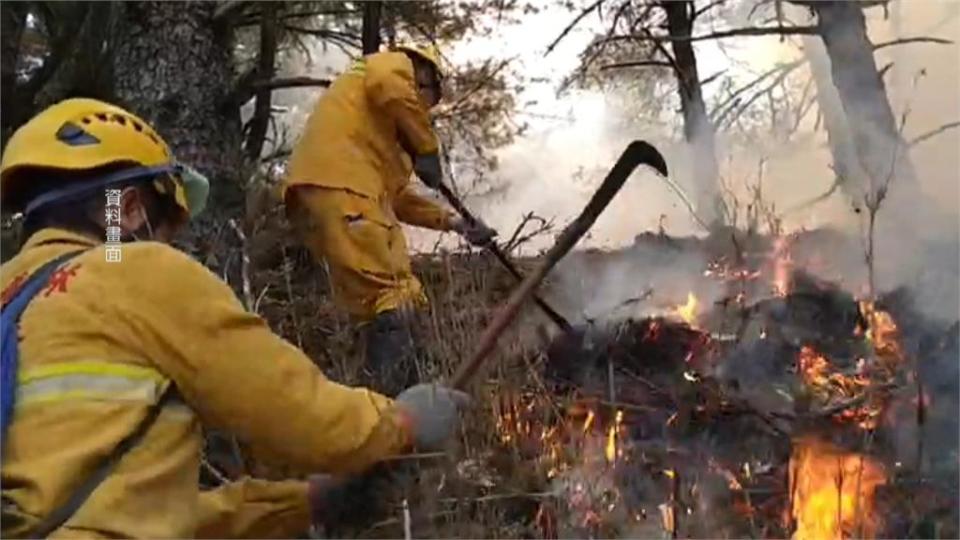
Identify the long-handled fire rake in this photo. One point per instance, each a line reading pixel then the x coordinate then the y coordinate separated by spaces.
pixel 638 152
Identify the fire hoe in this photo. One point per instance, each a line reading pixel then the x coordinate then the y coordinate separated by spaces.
pixel 636 153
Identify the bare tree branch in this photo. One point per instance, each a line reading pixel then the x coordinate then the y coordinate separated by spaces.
pixel 903 41
pixel 254 18
pixel 772 31
pixel 225 9
pixel 787 70
pixel 919 139
pixel 707 8
pixel 291 82
pixel 711 78
pixel 572 25
pixel 640 63
pixel 347 38
pixel 449 110
pixel 731 101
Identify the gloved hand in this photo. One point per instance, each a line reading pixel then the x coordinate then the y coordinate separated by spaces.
pixel 427 167
pixel 432 412
pixel 322 493
pixel 476 232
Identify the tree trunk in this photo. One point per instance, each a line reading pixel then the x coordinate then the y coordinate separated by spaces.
pixel 371 27
pixel 854 72
pixel 86 67
pixel 846 166
pixel 697 128
pixel 174 68
pixel 13 18
pixel 257 129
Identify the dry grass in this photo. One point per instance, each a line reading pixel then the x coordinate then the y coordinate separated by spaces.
pixel 453 497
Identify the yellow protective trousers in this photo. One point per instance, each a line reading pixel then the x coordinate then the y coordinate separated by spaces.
pixel 364 247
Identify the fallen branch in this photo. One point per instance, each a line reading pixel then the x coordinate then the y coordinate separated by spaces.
pixel 855 401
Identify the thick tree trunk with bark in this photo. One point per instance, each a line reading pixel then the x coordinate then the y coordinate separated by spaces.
pixel 697 128
pixel 173 68
pixel 854 72
pixel 13 18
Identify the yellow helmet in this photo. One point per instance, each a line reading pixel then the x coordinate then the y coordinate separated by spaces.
pixel 83 134
pixel 430 53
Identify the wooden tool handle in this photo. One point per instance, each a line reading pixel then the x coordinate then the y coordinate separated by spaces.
pixel 636 153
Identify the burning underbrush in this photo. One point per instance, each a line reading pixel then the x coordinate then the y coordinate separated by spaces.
pixel 778 405
pixel 782 417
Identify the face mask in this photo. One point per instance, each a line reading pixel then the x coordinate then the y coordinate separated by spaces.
pixel 145 231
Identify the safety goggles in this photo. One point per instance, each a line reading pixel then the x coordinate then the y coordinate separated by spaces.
pixel 189 188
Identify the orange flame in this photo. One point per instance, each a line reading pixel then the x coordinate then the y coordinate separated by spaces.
pixel 883 334
pixel 610 451
pixel 588 423
pixel 832 491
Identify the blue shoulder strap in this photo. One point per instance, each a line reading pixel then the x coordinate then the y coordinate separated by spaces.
pixel 9 323
pixel 10 318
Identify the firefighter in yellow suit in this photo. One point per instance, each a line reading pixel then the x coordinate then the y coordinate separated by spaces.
pixel 347 189
pixel 110 341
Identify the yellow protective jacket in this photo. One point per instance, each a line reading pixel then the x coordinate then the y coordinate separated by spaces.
pixel 353 138
pixel 351 155
pixel 99 345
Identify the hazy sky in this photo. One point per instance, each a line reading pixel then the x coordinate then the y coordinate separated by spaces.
pixel 580 132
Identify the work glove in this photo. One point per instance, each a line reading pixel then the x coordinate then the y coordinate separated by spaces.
pixel 476 232
pixel 321 495
pixel 427 167
pixel 432 412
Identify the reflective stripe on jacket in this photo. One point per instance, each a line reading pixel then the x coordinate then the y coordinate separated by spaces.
pixel 98 346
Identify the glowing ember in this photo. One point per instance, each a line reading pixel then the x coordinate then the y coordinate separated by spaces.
pixel 610 451
pixel 832 491
pixel 688 311
pixel 588 423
